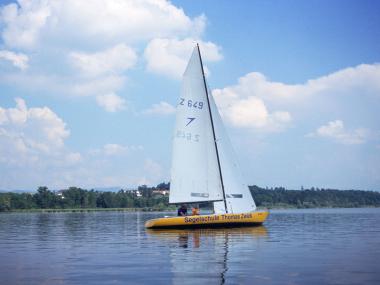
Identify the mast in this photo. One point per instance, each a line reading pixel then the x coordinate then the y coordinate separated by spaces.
pixel 213 130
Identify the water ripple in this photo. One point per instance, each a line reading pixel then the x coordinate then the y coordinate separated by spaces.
pixel 319 246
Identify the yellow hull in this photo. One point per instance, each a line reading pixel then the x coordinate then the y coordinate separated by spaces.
pixel 209 221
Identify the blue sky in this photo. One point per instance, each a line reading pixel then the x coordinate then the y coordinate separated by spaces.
pixel 87 92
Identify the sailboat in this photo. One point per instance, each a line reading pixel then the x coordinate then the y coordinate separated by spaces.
pixel 204 166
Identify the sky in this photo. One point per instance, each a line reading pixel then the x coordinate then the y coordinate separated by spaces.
pixel 88 89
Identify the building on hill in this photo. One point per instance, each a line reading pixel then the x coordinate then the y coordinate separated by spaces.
pixel 163 192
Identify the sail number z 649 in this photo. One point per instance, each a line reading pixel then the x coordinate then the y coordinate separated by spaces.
pixel 191 103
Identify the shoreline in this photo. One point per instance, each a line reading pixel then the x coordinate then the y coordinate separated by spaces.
pixel 79 210
pixel 83 210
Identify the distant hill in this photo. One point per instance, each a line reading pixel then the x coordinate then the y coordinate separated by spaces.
pixel 108 189
pixel 18 191
pixel 100 189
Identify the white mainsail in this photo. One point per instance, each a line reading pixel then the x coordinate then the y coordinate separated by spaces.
pixel 204 165
pixel 195 174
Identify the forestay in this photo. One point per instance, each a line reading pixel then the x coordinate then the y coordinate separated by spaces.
pixel 195 175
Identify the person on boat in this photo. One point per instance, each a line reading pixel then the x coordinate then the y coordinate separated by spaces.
pixel 182 211
pixel 195 210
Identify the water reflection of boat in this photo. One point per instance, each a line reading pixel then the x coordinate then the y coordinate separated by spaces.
pixel 247 232
pixel 194 236
pixel 203 254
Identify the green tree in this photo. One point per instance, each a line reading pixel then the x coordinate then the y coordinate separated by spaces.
pixel 44 198
pixel 5 202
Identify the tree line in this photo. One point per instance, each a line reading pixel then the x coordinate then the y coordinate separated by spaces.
pixel 78 198
pixel 147 198
pixel 314 198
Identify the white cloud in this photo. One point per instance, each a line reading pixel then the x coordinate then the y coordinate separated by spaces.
pixel 256 84
pixel 19 60
pixel 3 116
pixel 101 39
pixel 82 22
pixel 249 112
pixel 73 158
pixel 114 60
pixel 170 56
pixel 114 149
pixel 256 102
pixel 33 153
pixel 162 108
pixel 111 102
pixel 153 172
pixel 65 85
pixel 362 78
pixel 23 22
pixel 336 131
pixel 32 146
pixel 252 113
pixel 32 130
pixel 96 86
pixel 117 149
pixel 111 149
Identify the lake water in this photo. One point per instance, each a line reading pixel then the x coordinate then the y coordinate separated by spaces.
pixel 317 246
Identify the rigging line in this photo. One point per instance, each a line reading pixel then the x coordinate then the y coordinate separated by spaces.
pixel 213 130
